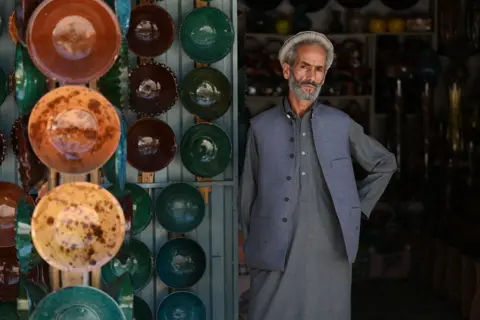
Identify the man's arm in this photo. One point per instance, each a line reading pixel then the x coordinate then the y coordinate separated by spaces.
pixel 376 160
pixel 248 184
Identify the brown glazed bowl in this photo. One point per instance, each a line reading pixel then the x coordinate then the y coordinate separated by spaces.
pixel 10 195
pixel 151 145
pixel 73 41
pixel 151 31
pixel 78 227
pixel 12 27
pixel 153 89
pixel 74 129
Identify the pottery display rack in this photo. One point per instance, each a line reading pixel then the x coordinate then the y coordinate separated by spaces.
pixel 218 232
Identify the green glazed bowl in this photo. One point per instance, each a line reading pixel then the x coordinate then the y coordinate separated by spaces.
pixel 134 258
pixel 182 305
pixel 121 290
pixel 4 86
pixel 180 208
pixel 141 310
pixel 206 93
pixel 30 83
pixel 205 150
pixel 142 206
pixel 181 263
pixel 78 302
pixel 207 35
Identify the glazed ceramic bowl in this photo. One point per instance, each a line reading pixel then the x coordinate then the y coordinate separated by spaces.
pixel 151 30
pixel 12 27
pixel 30 84
pixel 153 89
pixel 73 41
pixel 206 93
pixel 3 147
pixel 186 304
pixel 27 256
pixel 122 9
pixel 78 302
pixel 24 10
pixel 151 145
pixel 29 296
pixel 121 290
pixel 74 129
pixel 207 35
pixel 78 227
pixel 206 150
pixel 181 263
pixel 10 196
pixel 142 206
pixel 135 259
pixel 180 208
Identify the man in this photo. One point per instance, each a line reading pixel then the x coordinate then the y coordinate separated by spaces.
pixel 300 206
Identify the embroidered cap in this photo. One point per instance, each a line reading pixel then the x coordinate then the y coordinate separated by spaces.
pixel 310 36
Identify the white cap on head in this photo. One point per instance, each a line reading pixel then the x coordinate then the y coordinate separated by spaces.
pixel 310 36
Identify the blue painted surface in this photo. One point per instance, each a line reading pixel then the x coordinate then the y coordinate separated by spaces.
pixel 217 234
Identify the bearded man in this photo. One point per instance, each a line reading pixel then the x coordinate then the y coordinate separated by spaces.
pixel 300 205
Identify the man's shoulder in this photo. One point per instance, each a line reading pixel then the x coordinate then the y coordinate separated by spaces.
pixel 267 114
pixel 332 111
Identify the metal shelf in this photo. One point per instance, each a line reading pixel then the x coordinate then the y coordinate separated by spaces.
pixel 334 36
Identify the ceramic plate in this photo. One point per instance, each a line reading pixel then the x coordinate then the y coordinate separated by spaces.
pixel 78 302
pixel 181 263
pixel 151 145
pixel 207 35
pixel 78 226
pixel 3 147
pixel 206 93
pixel 10 196
pixel 205 150
pixel 153 89
pixel 151 30
pixel 115 170
pixel 134 258
pixel 182 305
pixel 73 41
pixel 142 206
pixel 30 83
pixel 74 129
pixel 180 208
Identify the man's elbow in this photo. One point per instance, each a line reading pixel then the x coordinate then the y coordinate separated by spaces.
pixel 390 163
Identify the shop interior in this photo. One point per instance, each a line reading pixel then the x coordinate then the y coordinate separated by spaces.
pixel 408 71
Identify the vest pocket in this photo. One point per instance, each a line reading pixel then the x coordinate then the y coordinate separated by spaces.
pixel 341 162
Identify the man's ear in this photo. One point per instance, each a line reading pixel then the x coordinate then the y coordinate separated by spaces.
pixel 286 70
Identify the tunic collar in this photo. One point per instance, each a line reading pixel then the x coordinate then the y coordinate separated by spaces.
pixel 287 108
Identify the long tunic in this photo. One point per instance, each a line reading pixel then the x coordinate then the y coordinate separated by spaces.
pixel 316 282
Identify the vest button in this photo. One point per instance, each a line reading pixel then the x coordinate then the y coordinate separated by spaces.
pixel 291 155
pixel 287 199
pixel 289 178
pixel 291 139
pixel 284 219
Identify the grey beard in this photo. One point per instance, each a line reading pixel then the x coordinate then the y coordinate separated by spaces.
pixel 302 95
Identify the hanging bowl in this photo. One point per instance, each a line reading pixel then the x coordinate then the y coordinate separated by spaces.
pixel 206 93
pixel 151 145
pixel 74 130
pixel 78 227
pixel 207 35
pixel 184 303
pixel 73 41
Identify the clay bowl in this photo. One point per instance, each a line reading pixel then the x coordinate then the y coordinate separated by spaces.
pixel 12 27
pixel 10 196
pixel 73 41
pixel 151 145
pixel 74 130
pixel 153 89
pixel 151 30
pixel 180 263
pixel 78 227
pixel 182 302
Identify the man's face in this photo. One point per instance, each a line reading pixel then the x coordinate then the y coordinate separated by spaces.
pixel 307 75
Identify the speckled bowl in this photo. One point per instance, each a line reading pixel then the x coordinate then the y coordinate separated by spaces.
pixel 74 129
pixel 78 227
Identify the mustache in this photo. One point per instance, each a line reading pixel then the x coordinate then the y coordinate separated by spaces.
pixel 312 83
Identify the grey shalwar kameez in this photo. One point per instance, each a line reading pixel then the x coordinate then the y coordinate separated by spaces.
pixel 316 282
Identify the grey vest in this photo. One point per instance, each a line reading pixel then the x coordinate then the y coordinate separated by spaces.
pixel 268 238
